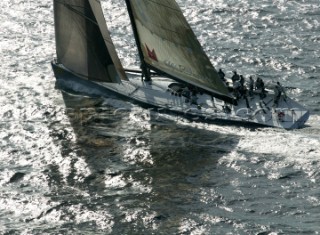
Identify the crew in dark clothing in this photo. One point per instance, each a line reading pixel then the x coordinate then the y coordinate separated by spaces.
pixel 258 84
pixel 245 96
pixel 145 73
pixel 260 87
pixel 222 75
pixel 242 80
pixel 251 86
pixel 278 91
pixel 263 90
pixel 235 77
pixel 242 86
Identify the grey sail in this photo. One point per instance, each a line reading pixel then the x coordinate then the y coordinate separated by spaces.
pixel 167 43
pixel 83 43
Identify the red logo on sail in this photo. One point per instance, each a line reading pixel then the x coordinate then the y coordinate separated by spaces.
pixel 151 53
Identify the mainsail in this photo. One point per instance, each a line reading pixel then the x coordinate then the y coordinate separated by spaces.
pixel 167 44
pixel 83 43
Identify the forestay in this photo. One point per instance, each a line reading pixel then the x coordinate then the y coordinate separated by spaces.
pixel 168 44
pixel 83 43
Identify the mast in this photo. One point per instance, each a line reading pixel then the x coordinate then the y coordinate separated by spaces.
pixel 144 67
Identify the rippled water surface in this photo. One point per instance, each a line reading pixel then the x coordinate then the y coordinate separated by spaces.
pixel 71 164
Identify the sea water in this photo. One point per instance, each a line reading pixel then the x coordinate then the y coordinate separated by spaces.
pixel 73 164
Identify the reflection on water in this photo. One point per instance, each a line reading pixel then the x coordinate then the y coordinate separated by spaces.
pixel 125 172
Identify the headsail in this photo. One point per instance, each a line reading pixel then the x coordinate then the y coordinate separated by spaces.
pixel 83 43
pixel 167 43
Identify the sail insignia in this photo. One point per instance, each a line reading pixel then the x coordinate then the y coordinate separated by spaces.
pixel 83 43
pixel 162 30
pixel 151 53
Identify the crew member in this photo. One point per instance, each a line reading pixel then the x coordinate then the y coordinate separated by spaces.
pixel 251 86
pixel 222 75
pixel 235 76
pixel 278 91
